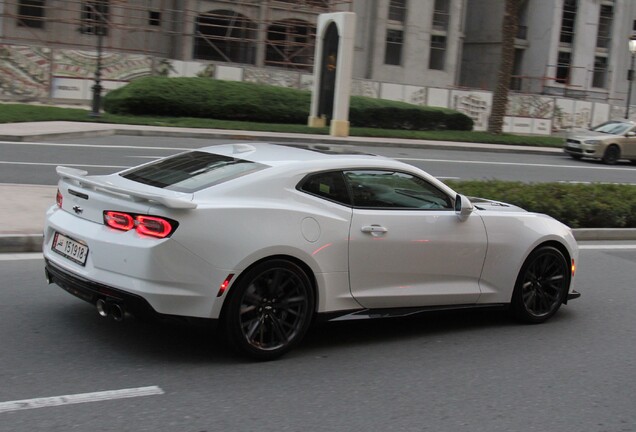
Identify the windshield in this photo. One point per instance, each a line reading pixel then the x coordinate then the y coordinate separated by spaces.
pixel 615 128
pixel 192 171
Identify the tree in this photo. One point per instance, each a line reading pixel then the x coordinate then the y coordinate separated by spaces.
pixel 509 27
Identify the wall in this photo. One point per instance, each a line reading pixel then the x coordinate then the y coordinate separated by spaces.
pixel 31 73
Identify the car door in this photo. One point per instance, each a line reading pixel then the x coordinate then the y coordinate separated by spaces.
pixel 628 145
pixel 407 247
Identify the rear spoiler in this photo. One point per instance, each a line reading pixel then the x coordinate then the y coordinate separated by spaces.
pixel 176 201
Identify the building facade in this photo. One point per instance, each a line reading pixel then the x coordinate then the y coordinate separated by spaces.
pixel 569 48
pixel 570 65
pixel 409 42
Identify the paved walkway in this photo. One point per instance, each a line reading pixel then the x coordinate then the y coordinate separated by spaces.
pixel 24 206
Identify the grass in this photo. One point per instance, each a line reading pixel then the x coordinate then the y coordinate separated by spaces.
pixel 15 113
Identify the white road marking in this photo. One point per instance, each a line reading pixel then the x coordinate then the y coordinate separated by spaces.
pixel 607 247
pixel 613 168
pixel 64 164
pixel 111 146
pixel 79 398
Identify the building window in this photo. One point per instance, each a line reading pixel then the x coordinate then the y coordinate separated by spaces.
pixel 441 15
pixel 154 18
pixel 563 67
pixel 438 53
pixel 393 51
pixel 94 17
pixel 225 35
pixel 599 78
pixel 310 3
pixel 290 44
pixel 568 19
pixel 31 13
pixel 516 79
pixel 605 26
pixel 397 10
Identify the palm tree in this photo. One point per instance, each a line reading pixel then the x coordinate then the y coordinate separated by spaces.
pixel 509 27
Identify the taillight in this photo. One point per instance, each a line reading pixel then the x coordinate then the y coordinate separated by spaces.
pixel 152 226
pixel 59 198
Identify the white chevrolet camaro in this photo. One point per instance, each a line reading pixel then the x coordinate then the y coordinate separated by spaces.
pixel 265 238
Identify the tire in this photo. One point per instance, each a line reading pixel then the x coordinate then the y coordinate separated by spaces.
pixel 612 154
pixel 541 286
pixel 269 310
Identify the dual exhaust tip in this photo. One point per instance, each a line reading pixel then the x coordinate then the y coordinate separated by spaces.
pixel 112 309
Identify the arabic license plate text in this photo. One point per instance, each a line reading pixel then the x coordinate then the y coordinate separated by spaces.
pixel 70 249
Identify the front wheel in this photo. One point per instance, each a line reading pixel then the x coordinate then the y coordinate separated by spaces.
pixel 269 310
pixel 541 286
pixel 612 155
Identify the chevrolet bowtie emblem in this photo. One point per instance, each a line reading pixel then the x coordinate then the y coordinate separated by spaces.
pixel 78 209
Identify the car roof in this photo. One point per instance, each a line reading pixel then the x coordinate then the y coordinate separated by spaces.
pixel 317 154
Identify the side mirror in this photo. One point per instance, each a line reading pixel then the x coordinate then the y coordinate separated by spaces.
pixel 630 134
pixel 463 207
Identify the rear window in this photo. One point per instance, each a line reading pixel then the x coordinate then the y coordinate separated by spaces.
pixel 192 171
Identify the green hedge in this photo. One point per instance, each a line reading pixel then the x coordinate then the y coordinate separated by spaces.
pixel 230 100
pixel 576 205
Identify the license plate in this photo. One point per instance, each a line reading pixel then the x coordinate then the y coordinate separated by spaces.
pixel 574 145
pixel 70 249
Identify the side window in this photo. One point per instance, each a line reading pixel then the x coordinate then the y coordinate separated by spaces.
pixel 394 190
pixel 329 185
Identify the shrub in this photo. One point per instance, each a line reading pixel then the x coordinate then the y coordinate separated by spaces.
pixel 228 100
pixel 576 205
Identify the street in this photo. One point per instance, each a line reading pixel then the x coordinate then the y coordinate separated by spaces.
pixel 63 367
pixel 34 163
pixel 452 371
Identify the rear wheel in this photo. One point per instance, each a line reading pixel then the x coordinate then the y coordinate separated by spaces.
pixel 612 154
pixel 541 286
pixel 270 309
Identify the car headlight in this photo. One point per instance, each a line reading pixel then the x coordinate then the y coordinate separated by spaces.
pixel 592 142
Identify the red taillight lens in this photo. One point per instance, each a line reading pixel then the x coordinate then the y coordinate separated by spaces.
pixel 59 198
pixel 152 226
pixel 119 220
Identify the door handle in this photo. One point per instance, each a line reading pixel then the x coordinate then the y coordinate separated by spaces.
pixel 373 229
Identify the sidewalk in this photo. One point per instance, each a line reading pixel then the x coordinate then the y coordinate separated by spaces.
pixel 24 206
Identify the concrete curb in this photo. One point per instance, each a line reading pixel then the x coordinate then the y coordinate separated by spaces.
pixel 17 243
pixel 609 234
pixel 20 243
pixel 133 130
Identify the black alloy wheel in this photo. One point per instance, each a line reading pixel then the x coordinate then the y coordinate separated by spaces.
pixel 541 286
pixel 270 309
pixel 612 154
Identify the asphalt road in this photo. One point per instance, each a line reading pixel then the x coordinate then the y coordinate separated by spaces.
pixel 34 163
pixel 468 371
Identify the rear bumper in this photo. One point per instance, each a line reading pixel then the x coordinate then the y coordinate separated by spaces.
pixel 90 291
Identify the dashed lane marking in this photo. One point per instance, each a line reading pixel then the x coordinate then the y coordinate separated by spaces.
pixel 79 398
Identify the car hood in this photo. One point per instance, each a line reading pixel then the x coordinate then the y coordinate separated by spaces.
pixel 486 204
pixel 587 134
